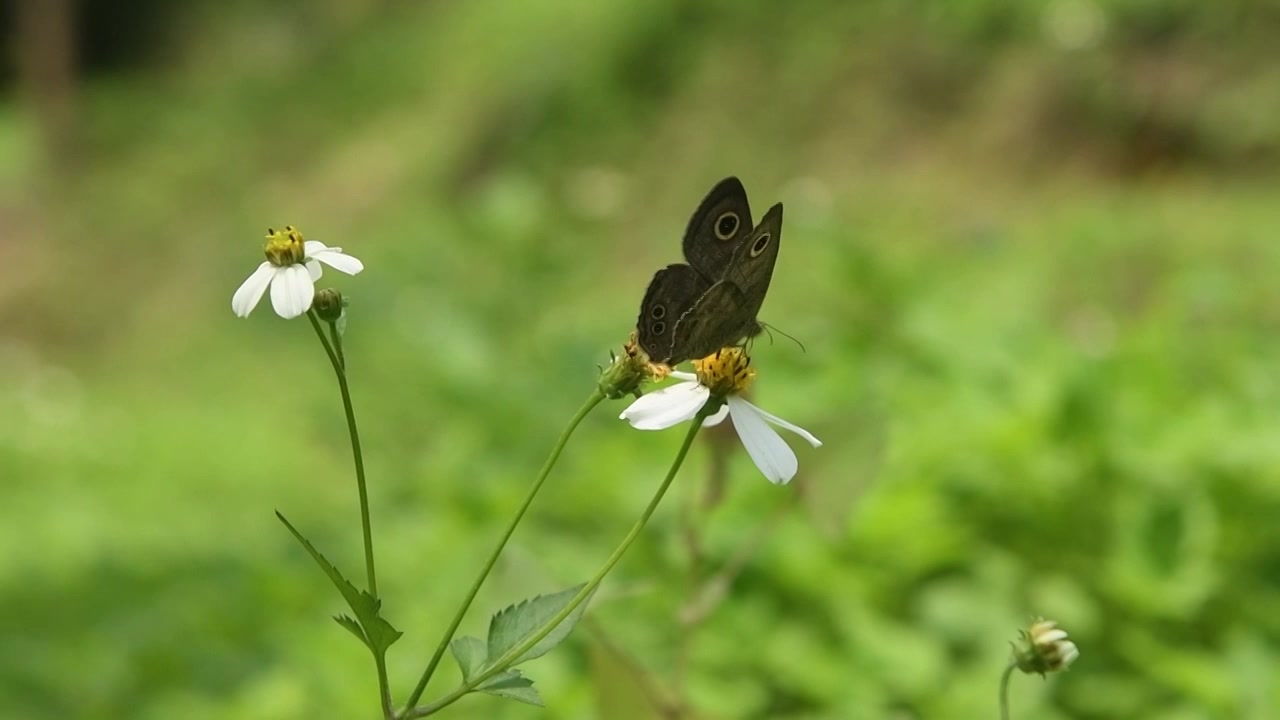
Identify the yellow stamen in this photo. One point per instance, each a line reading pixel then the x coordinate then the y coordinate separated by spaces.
pixel 728 372
pixel 285 247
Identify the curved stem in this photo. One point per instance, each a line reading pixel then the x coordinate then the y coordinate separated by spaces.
pixel 337 344
pixel 339 362
pixel 336 360
pixel 514 654
pixel 587 407
pixel 1004 691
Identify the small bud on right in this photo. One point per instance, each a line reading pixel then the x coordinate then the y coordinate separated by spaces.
pixel 1044 649
pixel 329 304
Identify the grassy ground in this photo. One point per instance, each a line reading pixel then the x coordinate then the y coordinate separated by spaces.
pixel 1039 335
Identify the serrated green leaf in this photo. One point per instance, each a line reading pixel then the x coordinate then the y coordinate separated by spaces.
pixel 381 633
pixel 511 684
pixel 470 654
pixel 376 633
pixel 513 625
pixel 349 623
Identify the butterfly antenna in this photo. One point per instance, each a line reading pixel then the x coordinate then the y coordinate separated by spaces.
pixel 769 329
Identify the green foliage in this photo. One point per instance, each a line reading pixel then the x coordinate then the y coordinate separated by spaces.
pixel 472 659
pixel 471 654
pixel 512 685
pixel 369 626
pixel 512 626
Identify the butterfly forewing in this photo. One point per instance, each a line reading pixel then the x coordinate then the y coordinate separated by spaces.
pixel 717 228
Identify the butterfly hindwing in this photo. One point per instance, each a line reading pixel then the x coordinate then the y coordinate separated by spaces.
pixel 672 293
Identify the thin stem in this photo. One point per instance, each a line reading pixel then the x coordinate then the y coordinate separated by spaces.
pixel 514 654
pixel 337 344
pixel 587 407
pixel 384 686
pixel 339 369
pixel 1004 691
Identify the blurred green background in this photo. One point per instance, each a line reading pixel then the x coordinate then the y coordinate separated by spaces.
pixel 1030 251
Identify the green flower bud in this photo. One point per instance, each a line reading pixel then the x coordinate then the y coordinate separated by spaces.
pixel 629 371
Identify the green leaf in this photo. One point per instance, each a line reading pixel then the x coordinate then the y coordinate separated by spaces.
pixel 470 654
pixel 515 624
pixel 347 622
pixel 511 684
pixel 376 633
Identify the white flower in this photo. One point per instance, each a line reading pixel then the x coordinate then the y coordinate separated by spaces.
pixel 291 271
pixel 680 402
pixel 1045 649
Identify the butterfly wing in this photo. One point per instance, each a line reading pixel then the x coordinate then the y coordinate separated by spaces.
pixel 751 269
pixel 672 294
pixel 721 317
pixel 716 229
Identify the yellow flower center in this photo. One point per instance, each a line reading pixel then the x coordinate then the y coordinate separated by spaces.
pixel 728 372
pixel 285 247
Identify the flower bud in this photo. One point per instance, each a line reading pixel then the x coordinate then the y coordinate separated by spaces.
pixel 1044 649
pixel 629 371
pixel 329 304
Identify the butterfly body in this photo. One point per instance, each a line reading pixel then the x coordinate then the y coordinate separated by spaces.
pixel 692 310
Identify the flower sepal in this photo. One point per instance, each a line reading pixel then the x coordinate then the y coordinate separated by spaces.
pixel 628 371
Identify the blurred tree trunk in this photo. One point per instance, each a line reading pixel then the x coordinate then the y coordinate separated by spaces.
pixel 46 44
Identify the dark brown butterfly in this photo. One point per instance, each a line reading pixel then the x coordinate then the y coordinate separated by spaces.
pixel 693 310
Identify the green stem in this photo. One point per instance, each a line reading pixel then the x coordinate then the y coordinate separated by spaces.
pixel 339 369
pixel 514 654
pixel 587 407
pixel 1004 691
pixel 337 344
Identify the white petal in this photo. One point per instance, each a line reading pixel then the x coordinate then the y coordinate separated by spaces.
pixel 1051 637
pixel 784 424
pixel 292 291
pixel 338 261
pixel 717 418
pixel 768 451
pixel 313 269
pixel 311 247
pixel 666 407
pixel 1069 653
pixel 682 375
pixel 251 290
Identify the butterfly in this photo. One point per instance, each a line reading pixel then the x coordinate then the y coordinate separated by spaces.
pixel 692 310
